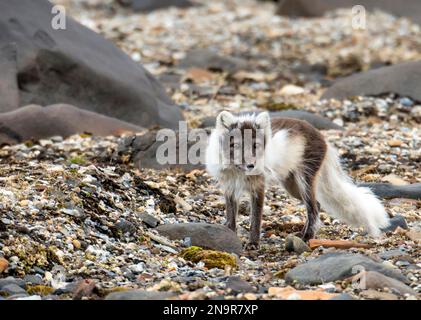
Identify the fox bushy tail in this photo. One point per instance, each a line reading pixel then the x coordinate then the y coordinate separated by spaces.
pixel 342 199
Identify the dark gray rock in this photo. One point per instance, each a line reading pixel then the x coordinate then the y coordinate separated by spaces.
pixel 205 235
pixel 401 79
pixel 396 221
pixel 315 8
pixel 151 5
pixel 139 295
pixel 295 244
pixel 375 280
pixel 124 226
pixel 11 280
pixel 13 289
pixel 238 285
pixel 391 254
pixel 33 279
pixel 337 266
pixel 142 150
pixel 148 219
pixel 78 67
pixel 389 191
pixel 209 59
pixel 36 122
pixel 315 120
pixel 9 91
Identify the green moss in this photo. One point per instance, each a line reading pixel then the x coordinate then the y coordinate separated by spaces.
pixel 79 160
pixel 39 290
pixel 211 258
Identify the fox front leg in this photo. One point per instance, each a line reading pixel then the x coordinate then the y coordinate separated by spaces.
pixel 257 201
pixel 231 210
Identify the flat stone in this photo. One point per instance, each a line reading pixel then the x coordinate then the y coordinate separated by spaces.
pixel 390 191
pixel 139 295
pixel 391 254
pixel 375 280
pixel 13 289
pixel 149 219
pixel 395 222
pixel 239 285
pixel 33 279
pixel 11 280
pixel 295 244
pixel 337 266
pixel 205 235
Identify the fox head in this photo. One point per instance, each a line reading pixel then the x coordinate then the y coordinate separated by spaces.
pixel 242 140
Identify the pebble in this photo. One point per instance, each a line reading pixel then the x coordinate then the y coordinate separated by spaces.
pixel 296 244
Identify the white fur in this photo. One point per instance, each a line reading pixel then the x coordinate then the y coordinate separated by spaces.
pixel 335 191
pixel 283 154
pixel 342 199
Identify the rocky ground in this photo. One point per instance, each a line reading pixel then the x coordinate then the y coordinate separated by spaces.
pixel 78 220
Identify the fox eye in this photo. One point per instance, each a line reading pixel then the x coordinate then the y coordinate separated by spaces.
pixel 236 145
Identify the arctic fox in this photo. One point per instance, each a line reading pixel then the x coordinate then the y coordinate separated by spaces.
pixel 245 152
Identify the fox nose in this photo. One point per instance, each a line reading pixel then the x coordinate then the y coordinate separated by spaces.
pixel 250 166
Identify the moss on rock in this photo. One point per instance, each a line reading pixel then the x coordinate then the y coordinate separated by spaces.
pixel 211 258
pixel 39 290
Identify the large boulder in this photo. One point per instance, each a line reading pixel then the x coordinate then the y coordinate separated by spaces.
pixel 36 122
pixel 74 66
pixel 314 8
pixel 210 236
pixel 338 266
pixel 402 79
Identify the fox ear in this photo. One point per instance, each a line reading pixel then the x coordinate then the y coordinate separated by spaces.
pixel 225 120
pixel 263 122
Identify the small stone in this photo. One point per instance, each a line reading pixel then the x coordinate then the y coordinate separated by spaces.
pixel 238 285
pixel 406 102
pixel 149 220
pixel 394 143
pixel 376 280
pixel 250 296
pixel 12 289
pixel 76 244
pixel 290 90
pixel 33 279
pixel 296 244
pixel 4 264
pixel 11 280
pixel 125 226
pixel 395 222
